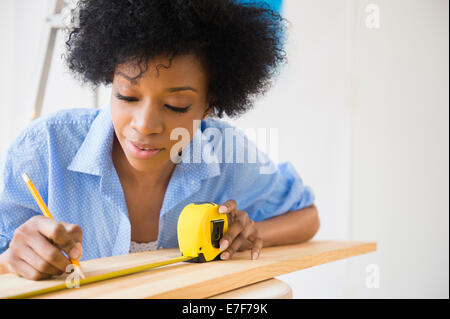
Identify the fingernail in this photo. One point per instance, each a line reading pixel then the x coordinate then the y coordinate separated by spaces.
pixel 75 252
pixel 255 255
pixel 224 255
pixel 224 245
pixel 223 209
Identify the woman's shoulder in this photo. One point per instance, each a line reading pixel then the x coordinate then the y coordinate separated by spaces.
pixel 226 130
pixel 59 132
pixel 233 145
pixel 73 122
pixel 214 123
pixel 75 116
pixel 224 127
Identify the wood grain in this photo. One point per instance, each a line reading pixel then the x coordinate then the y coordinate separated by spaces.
pixel 190 280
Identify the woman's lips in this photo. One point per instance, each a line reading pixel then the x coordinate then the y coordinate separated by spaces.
pixel 142 154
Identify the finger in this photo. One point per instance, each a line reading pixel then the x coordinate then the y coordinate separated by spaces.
pixel 37 262
pixel 257 243
pixel 228 206
pixel 233 231
pixel 49 252
pixel 245 245
pixel 23 269
pixel 227 254
pixel 58 234
pixel 74 231
pixel 250 228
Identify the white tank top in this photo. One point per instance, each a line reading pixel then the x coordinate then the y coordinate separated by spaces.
pixel 139 247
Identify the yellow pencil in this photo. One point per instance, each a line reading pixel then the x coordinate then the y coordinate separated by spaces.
pixel 46 213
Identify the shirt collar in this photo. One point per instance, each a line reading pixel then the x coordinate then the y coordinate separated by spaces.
pixel 94 155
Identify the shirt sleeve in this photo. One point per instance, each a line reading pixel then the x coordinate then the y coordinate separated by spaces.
pixel 25 155
pixel 265 189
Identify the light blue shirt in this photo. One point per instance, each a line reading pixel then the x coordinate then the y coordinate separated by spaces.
pixel 68 157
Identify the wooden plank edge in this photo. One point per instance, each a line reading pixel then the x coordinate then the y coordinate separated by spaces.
pixel 210 288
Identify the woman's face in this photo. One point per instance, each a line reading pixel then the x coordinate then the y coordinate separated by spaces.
pixel 145 112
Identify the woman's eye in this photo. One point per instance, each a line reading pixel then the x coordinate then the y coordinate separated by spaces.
pixel 126 98
pixel 173 108
pixel 178 109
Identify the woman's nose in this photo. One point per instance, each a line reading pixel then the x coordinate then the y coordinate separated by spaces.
pixel 148 120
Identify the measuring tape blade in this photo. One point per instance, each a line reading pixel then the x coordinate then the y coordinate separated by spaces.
pixel 97 278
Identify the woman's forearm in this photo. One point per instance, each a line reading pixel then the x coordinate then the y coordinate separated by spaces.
pixel 292 227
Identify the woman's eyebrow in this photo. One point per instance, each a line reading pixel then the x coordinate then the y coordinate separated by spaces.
pixel 181 88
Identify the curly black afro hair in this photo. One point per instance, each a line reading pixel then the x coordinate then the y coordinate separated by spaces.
pixel 239 44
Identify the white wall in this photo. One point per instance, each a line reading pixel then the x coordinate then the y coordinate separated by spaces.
pixel 362 114
pixel 400 149
pixel 22 29
pixel 6 56
pixel 309 106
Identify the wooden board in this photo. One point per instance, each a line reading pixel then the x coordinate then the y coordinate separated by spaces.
pixel 190 280
pixel 267 289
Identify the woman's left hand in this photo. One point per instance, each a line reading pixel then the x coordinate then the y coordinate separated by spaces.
pixel 242 232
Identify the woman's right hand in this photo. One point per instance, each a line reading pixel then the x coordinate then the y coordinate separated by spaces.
pixel 35 249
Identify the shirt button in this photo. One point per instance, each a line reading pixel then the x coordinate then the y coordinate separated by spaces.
pixel 192 182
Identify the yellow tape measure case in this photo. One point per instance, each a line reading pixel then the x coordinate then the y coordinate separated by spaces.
pixel 200 228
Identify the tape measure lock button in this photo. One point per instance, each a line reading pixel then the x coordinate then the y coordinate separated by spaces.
pixel 217 232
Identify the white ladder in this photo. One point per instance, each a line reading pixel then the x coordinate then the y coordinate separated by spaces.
pixel 59 12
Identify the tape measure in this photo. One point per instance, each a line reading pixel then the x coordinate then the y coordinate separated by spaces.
pixel 200 227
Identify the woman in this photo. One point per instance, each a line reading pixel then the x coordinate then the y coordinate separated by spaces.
pixel 116 179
